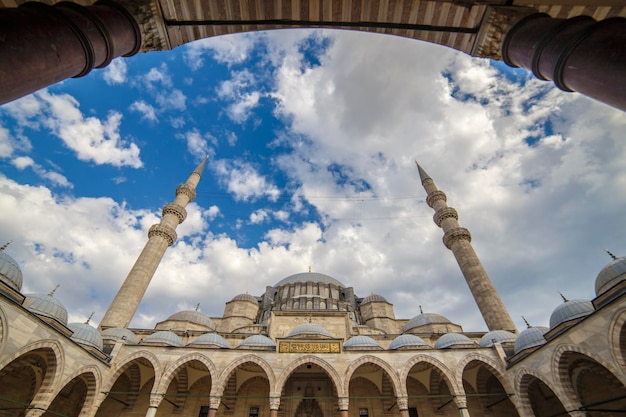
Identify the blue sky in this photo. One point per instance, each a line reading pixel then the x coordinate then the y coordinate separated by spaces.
pixel 312 137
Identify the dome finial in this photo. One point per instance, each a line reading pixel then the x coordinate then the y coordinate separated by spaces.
pixel 54 290
pixel 527 323
pixel 563 297
pixel 90 316
pixel 610 254
pixel 3 247
pixel 309 269
pixel 421 311
pixel 197 306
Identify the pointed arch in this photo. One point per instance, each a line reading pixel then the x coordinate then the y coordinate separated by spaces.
pixel 617 337
pixel 438 366
pixel 90 377
pixel 172 370
pixel 4 331
pixel 218 387
pixel 328 368
pixel 497 368
pixel 523 381
pixel 384 366
pixel 121 367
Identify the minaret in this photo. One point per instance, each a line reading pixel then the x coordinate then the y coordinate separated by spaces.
pixel 457 239
pixel 160 236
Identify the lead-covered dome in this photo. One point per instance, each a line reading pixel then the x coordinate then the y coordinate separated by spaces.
pixel 164 337
pixel 210 340
pixel 258 341
pixel 245 297
pixel 529 338
pixel 309 329
pixel 570 310
pixel 454 340
pixel 361 342
pixel 496 336
pixel 374 298
pixel 425 319
pixel 46 305
pixel 610 275
pixel 86 334
pixel 10 272
pixel 193 316
pixel 309 277
pixel 408 341
pixel 120 334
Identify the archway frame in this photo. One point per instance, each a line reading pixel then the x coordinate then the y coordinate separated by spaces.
pixel 292 366
pixel 384 366
pixel 217 389
pixel 522 385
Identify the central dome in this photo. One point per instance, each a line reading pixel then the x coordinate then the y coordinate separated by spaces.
pixel 309 277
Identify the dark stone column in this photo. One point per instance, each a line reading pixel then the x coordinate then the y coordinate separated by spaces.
pixel 41 45
pixel 578 54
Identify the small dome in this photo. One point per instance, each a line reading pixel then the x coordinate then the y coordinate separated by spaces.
pixel 210 339
pixel 245 297
pixel 47 306
pixel 356 342
pixel 309 329
pixel 499 336
pixel 453 339
pixel 193 316
pixel 258 341
pixel 164 337
pixel 85 334
pixel 611 275
pixel 374 298
pixel 407 341
pixel 309 277
pixel 570 310
pixel 531 337
pixel 120 333
pixel 424 319
pixel 10 272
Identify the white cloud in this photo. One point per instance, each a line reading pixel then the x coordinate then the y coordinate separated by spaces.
pixel 156 75
pixel 57 179
pixel 259 216
pixel 6 147
pixel 147 110
pixel 198 144
pixel 172 100
pixel 236 89
pixel 242 179
pixel 115 72
pixel 224 49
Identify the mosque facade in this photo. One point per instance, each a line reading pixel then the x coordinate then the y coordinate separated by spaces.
pixel 310 346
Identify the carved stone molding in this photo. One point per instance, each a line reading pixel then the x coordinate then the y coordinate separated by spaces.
pixel 214 401
pixel 175 209
pixel 403 403
pixel 163 231
pixel 445 213
pixel 453 235
pixel 187 190
pixel 344 403
pixel 274 403
pixel 435 196
pixel 147 13
pixel 496 23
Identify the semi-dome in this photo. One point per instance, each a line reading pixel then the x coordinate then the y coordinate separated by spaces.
pixel 120 333
pixel 86 334
pixel 309 277
pixel 10 272
pixel 258 341
pixel 210 339
pixel 193 316
pixel 407 341
pixel 245 297
pixel 46 305
pixel 424 319
pixel 164 337
pixel 374 298
pixel 453 339
pixel 309 329
pixel 570 310
pixel 529 338
pixel 358 342
pixel 497 336
pixel 610 275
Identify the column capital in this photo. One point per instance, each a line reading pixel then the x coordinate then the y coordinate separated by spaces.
pixel 403 402
pixel 274 403
pixel 344 403
pixel 496 23
pixel 155 400
pixel 214 401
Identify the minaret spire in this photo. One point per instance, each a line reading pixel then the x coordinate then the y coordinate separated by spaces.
pixel 457 239
pixel 160 237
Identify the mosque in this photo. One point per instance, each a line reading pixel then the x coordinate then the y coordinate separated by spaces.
pixel 310 346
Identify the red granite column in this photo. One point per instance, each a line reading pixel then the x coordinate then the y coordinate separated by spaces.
pixel 41 45
pixel 578 54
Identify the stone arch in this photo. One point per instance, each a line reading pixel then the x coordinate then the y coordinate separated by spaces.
pixel 437 365
pixel 218 387
pixel 580 372
pixel 523 384
pixel 127 361
pixel 617 337
pixel 171 371
pixel 90 377
pixel 330 371
pixel 4 331
pixel 369 359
